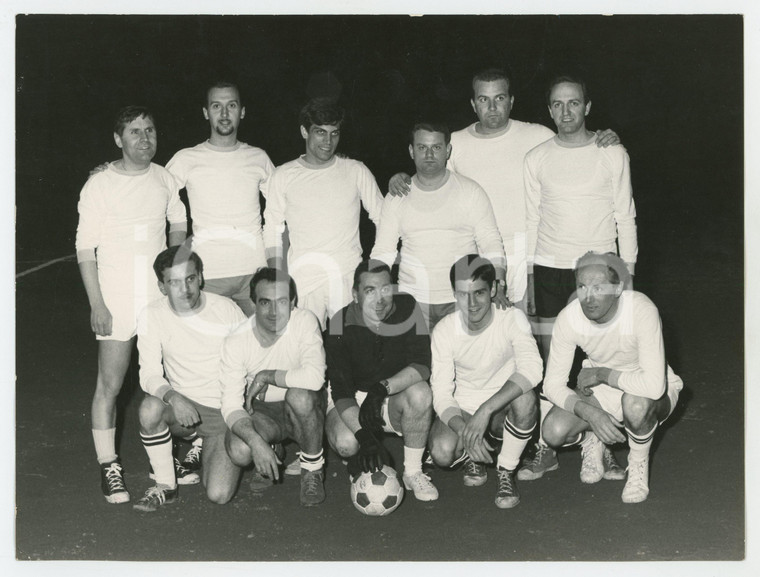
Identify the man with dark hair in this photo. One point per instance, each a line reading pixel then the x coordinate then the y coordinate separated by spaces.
pixel 180 345
pixel 485 367
pixel 320 196
pixel 272 373
pixel 625 381
pixel 122 222
pixel 447 216
pixel 378 363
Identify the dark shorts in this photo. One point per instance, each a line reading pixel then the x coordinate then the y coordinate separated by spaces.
pixel 212 423
pixel 553 288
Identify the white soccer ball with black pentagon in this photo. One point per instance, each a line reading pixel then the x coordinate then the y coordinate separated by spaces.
pixel 378 493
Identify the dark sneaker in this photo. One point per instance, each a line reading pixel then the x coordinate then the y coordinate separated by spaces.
pixel 544 460
pixel 184 476
pixel 312 487
pixel 156 497
pixel 192 460
pixel 612 469
pixel 475 474
pixel 507 496
pixel 112 482
pixel 259 482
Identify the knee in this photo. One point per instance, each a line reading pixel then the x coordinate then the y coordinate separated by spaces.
pixel 637 411
pixel 302 401
pixel 523 411
pixel 237 450
pixel 554 432
pixel 345 445
pixel 442 449
pixel 151 413
pixel 219 495
pixel 418 399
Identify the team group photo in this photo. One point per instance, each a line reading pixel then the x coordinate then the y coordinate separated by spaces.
pixel 379 288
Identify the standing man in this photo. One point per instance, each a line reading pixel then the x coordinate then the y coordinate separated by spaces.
pixel 180 345
pixel 223 178
pixel 122 222
pixel 445 217
pixel 378 363
pixel 485 367
pixel 319 196
pixel 624 383
pixel 279 352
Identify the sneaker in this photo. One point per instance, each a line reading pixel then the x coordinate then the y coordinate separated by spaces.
pixel 474 473
pixel 420 484
pixel 192 460
pixel 294 467
pixel 312 487
pixel 592 467
pixel 184 476
pixel 112 482
pixel 260 482
pixel 507 496
pixel 544 460
pixel 636 487
pixel 612 469
pixel 155 497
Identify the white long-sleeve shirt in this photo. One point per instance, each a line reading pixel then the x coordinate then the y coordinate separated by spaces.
pixel 495 162
pixel 630 343
pixel 223 185
pixel 578 198
pixel 187 349
pixel 436 228
pixel 299 351
pixel 468 369
pixel 321 205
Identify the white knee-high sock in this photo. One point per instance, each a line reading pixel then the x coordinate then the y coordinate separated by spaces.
pixel 159 449
pixel 513 445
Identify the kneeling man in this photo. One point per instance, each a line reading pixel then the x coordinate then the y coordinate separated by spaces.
pixel 180 345
pixel 280 360
pixel 485 367
pixel 378 363
pixel 625 381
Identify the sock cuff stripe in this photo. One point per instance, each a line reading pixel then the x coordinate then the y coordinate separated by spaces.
pixel 522 434
pixel 157 439
pixel 641 439
pixel 462 458
pixel 311 458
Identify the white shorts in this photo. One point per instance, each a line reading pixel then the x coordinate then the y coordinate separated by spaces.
pixel 360 396
pixel 327 298
pixel 611 399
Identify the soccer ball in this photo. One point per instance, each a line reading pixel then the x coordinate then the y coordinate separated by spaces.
pixel 378 493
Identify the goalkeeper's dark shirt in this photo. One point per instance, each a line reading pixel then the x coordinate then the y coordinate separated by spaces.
pixel 359 355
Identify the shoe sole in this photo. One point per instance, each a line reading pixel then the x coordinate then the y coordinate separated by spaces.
pixel 193 479
pixel 507 503
pixel 635 499
pixel 431 497
pixel 117 498
pixel 617 475
pixel 293 469
pixel 591 481
pixel 528 475
pixel 475 481
pixel 142 509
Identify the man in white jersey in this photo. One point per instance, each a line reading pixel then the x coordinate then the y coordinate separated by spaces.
pixel 180 346
pixel 272 373
pixel 445 217
pixel 485 367
pixel 625 381
pixel 223 178
pixel 122 222
pixel 319 195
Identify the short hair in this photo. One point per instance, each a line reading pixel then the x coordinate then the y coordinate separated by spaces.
pixel 572 79
pixel 128 114
pixel 173 256
pixel 431 127
pixel 371 266
pixel 617 271
pixel 321 112
pixel 221 84
pixel 272 274
pixel 472 267
pixel 493 75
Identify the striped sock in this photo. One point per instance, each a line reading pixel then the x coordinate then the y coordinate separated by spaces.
pixel 159 449
pixel 514 444
pixel 461 459
pixel 640 444
pixel 312 462
pixel 492 440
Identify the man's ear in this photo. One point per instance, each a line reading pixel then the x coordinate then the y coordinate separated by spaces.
pixel 242 113
pixel 205 113
pixel 304 133
pixel 162 288
pixel 588 108
pixel 117 139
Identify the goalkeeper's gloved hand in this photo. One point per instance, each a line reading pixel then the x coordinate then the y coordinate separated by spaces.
pixel 371 456
pixel 370 413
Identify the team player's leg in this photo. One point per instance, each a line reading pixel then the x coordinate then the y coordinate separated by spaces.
pixel 113 362
pixel 219 474
pixel 305 424
pixel 519 424
pixel 562 429
pixel 447 450
pixel 411 412
pixel 544 458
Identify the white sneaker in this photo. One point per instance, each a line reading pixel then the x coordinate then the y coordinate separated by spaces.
pixel 636 487
pixel 421 485
pixel 294 467
pixel 592 467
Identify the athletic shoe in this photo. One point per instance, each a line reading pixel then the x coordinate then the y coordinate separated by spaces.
pixel 155 497
pixel 112 482
pixel 192 460
pixel 312 487
pixel 420 484
pixel 636 487
pixel 259 482
pixel 592 468
pixel 427 460
pixel 184 476
pixel 612 470
pixel 544 460
pixel 507 496
pixel 294 467
pixel 475 474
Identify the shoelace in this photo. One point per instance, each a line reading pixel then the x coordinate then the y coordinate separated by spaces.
pixel 472 468
pixel 194 454
pixel 506 482
pixel 114 478
pixel 312 483
pixel 540 450
pixel 637 474
pixel 420 480
pixel 155 493
pixel 609 460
